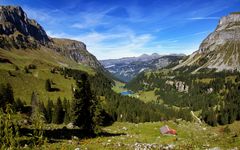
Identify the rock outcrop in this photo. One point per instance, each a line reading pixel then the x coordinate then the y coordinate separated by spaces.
pixel 76 51
pixel 228 30
pixel 221 49
pixel 17 31
pixel 179 85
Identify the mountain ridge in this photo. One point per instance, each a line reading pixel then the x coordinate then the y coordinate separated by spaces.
pixel 129 67
pixel 17 31
pixel 221 49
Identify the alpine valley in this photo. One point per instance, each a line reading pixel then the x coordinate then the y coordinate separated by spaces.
pixel 54 94
pixel 126 69
pixel 207 81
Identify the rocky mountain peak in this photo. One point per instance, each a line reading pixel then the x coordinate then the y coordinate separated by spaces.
pixel 17 30
pixel 221 49
pixel 155 55
pixel 227 30
pixel 231 18
pixel 6 12
pixel 144 55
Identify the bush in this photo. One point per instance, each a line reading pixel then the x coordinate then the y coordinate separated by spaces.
pixel 32 66
pixel 48 85
pixel 26 69
pixel 8 130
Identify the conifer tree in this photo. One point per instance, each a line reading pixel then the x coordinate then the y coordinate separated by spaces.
pixel 66 108
pixel 43 111
pixel 48 85
pixel 84 106
pixel 6 95
pixel 49 111
pixel 19 105
pixel 34 99
pixel 58 112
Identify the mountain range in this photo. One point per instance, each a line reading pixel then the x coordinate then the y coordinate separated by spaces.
pixel 127 68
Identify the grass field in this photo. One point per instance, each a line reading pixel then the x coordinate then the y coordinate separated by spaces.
pixel 24 84
pixel 132 136
pixel 146 96
pixel 119 87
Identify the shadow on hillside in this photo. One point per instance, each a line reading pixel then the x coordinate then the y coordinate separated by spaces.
pixel 67 134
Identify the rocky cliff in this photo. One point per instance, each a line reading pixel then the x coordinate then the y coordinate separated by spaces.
pixel 17 31
pixel 76 51
pixel 221 49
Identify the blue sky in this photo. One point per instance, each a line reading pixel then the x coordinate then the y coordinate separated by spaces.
pixel 123 28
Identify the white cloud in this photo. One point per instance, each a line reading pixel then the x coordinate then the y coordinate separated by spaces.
pixel 91 19
pixel 203 18
pixel 111 45
pixel 41 15
pixel 117 40
pixel 130 44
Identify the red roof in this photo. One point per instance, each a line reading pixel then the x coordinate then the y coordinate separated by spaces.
pixel 172 131
pixel 166 130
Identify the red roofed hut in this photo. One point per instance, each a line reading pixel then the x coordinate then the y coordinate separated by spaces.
pixel 166 130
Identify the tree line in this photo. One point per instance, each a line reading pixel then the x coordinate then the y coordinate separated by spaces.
pixel 215 94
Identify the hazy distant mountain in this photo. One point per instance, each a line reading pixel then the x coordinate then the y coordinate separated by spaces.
pixel 129 67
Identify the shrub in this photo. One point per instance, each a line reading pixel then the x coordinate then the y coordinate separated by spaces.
pixel 9 131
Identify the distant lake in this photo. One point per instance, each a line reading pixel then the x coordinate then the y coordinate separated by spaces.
pixel 126 93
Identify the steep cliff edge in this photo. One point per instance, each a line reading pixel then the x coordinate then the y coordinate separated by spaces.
pixel 18 32
pixel 221 49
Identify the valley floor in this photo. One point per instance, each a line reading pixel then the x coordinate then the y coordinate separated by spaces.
pixel 122 135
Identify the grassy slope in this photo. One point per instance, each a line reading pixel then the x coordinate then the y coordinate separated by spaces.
pixel 24 84
pixel 146 96
pixel 119 87
pixel 190 136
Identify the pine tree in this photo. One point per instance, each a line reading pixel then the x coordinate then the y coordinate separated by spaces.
pixel 43 111
pixel 35 104
pixel 9 94
pixel 6 95
pixel 66 108
pixel 26 69
pixel 84 106
pixel 49 111
pixel 34 99
pixel 19 105
pixel 58 112
pixel 48 85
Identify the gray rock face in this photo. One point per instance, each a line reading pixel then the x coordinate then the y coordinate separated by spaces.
pixel 19 32
pixel 221 49
pixel 14 21
pixel 228 29
pixel 179 85
pixel 76 51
